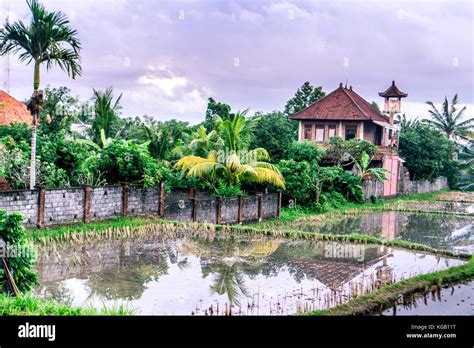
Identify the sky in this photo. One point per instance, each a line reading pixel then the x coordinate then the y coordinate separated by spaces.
pixel 169 57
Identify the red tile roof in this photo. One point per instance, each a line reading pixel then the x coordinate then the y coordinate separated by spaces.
pixel 12 110
pixel 393 91
pixel 341 104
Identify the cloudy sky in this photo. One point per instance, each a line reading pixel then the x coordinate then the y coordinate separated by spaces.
pixel 168 57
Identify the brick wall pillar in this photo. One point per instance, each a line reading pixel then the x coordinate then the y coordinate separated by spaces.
pixel 161 206
pixel 125 199
pixel 240 212
pixel 87 203
pixel 278 214
pixel 218 210
pixel 259 206
pixel 192 197
pixel 41 201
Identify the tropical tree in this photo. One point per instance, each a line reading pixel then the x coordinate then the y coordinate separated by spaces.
pixel 363 171
pixel 215 108
pixel 166 139
pixel 202 142
pixel 106 117
pixel 237 131
pixel 47 39
pixel 234 169
pixel 405 123
pixel 304 97
pixel 449 120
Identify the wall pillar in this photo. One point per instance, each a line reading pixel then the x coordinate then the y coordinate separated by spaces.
pixel 240 212
pixel 278 214
pixel 218 210
pixel 161 204
pixel 125 199
pixel 41 201
pixel 259 206
pixel 87 203
pixel 192 197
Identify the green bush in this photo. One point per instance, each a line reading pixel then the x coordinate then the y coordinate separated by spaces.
pixel 339 148
pixel 125 161
pixel 299 177
pixel 224 190
pixel 304 151
pixel 15 235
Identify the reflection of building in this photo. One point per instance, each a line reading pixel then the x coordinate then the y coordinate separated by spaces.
pixel 334 272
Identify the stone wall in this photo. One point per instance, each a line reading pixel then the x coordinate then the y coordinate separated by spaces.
pixel 49 207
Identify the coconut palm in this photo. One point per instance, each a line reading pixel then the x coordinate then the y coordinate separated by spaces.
pixel 449 120
pixel 47 39
pixel 405 123
pixel 229 280
pixel 233 169
pixel 165 139
pixel 202 142
pixel 237 131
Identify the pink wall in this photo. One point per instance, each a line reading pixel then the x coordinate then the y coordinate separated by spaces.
pixel 390 162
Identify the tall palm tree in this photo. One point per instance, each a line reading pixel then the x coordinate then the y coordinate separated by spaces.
pixel 234 169
pixel 106 114
pixel 449 120
pixel 47 39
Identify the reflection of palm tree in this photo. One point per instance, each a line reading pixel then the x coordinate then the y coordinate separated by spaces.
pixel 229 280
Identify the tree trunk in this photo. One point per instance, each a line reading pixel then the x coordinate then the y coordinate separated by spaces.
pixel 36 84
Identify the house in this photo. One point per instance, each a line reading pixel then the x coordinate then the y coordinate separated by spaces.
pixel 346 114
pixel 12 110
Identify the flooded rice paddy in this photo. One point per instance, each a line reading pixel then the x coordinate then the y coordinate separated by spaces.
pixel 447 232
pixel 454 300
pixel 209 273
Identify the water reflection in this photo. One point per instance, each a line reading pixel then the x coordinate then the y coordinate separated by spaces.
pixel 223 274
pixel 448 232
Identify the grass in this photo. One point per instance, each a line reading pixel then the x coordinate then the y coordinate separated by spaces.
pixel 59 232
pixel 390 295
pixel 30 305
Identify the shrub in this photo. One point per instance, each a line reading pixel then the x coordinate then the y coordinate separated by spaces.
pixel 304 151
pixel 338 148
pixel 223 189
pixel 15 235
pixel 124 161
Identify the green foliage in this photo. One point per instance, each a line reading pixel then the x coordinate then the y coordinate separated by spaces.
pixel 428 154
pixel 466 164
pixel 275 133
pixel 214 109
pixel 363 171
pixel 304 151
pixel 178 180
pixel 125 161
pixel 236 132
pixel 166 139
pixel 340 150
pixel 304 96
pixel 106 121
pixel 225 190
pixel 449 121
pixel 59 110
pixel 299 177
pixel 16 237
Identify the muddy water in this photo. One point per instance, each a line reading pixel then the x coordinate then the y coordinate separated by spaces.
pixel 216 274
pixel 455 300
pixel 448 232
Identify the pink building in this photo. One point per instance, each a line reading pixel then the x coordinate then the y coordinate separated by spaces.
pixel 346 114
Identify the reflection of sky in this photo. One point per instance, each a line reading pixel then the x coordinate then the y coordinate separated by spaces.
pixel 181 290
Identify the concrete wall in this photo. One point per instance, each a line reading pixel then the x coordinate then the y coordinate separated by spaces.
pixel 48 207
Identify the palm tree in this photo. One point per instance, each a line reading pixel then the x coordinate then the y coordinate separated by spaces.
pixel 47 39
pixel 405 123
pixel 166 139
pixel 449 120
pixel 363 171
pixel 234 169
pixel 236 132
pixel 106 115
pixel 229 280
pixel 202 142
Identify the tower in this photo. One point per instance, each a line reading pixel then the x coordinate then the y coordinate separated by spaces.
pixel 393 99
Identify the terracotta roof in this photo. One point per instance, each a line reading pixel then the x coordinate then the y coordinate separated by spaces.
pixel 393 91
pixel 341 104
pixel 12 110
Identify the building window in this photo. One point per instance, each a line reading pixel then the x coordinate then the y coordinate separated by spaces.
pixel 331 131
pixel 351 132
pixel 320 133
pixel 307 132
